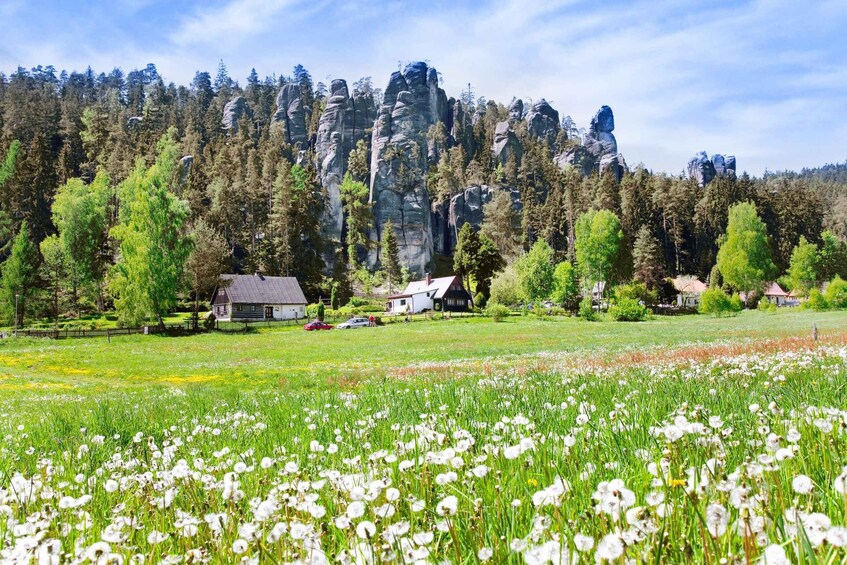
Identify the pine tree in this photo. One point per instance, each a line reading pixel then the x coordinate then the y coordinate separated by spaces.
pixel 647 259
pixel 19 276
pixel 390 254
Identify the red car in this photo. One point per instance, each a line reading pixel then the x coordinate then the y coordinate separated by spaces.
pixel 317 325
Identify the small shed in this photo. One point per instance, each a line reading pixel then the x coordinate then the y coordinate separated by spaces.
pixel 258 297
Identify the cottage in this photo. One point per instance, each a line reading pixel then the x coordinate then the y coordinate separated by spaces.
pixel 689 290
pixel 775 295
pixel 257 297
pixel 421 295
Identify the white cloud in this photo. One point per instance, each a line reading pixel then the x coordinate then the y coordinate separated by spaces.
pixel 230 23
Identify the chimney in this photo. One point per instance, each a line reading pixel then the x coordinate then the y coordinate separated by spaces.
pixel 428 279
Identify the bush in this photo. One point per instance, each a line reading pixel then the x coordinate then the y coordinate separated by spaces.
pixel 836 293
pixel 497 312
pixel 714 301
pixel 766 306
pixel 629 310
pixel 735 303
pixel 816 301
pixel 321 311
pixel 479 301
pixel 209 322
pixel 586 309
pixel 636 291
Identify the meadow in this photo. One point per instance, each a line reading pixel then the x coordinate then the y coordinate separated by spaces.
pixel 528 441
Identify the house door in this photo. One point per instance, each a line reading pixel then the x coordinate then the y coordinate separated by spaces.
pixel 269 312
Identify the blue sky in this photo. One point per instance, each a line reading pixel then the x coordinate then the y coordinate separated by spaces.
pixel 764 80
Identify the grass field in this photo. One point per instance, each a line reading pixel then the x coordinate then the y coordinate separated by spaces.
pixel 687 439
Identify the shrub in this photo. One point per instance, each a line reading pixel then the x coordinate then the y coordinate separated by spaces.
pixel 497 312
pixel 714 301
pixel 735 303
pixel 321 311
pixel 629 310
pixel 209 322
pixel 836 293
pixel 636 291
pixel 479 301
pixel 816 301
pixel 766 306
pixel 586 309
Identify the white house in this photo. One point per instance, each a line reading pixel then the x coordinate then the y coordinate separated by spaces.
pixel 424 294
pixel 257 297
pixel 689 290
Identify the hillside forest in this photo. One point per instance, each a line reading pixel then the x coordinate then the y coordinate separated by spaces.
pixel 114 182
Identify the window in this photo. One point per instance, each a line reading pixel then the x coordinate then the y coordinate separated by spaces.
pixel 238 308
pixel 403 302
pixel 252 307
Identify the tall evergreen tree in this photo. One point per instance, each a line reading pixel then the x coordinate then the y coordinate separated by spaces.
pixel 19 276
pixel 390 254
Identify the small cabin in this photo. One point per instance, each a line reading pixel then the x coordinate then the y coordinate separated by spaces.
pixel 418 296
pixel 689 290
pixel 242 298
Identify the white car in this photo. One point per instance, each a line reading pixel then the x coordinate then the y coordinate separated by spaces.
pixel 354 323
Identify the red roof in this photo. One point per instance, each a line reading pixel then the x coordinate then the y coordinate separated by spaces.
pixel 775 290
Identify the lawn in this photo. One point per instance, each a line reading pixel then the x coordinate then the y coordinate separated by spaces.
pixel 290 357
pixel 687 439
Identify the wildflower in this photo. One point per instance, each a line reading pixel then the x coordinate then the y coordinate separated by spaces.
pixel 355 509
pixel 484 554
pixel 97 551
pixel 802 484
pixel 774 554
pixel 717 519
pixel 583 543
pixel 610 548
pixel 366 529
pixel 156 536
pixel 837 536
pixel 448 506
pixel 239 546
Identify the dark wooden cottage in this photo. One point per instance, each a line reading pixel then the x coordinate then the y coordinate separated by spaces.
pixel 258 297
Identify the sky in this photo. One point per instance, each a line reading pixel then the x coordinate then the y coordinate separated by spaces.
pixel 763 80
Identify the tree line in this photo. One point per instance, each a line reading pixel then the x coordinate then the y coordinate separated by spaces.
pixel 97 199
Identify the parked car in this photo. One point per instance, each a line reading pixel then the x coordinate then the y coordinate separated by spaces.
pixel 354 323
pixel 317 325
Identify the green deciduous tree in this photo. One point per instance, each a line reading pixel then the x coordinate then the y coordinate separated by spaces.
pixel 153 244
pixel 358 215
pixel 832 256
pixel 566 286
pixel 744 257
pixel 20 275
pixel 208 259
pixel 535 272
pixel 802 273
pixel 598 241
pixel 54 270
pixel 504 288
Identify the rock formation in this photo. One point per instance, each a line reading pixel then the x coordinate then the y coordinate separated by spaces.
pixel 467 207
pixel 543 122
pixel 400 157
pixel 506 143
pixel 234 110
pixel 599 146
pixel 343 123
pixel 292 115
pixel 184 169
pixel 704 170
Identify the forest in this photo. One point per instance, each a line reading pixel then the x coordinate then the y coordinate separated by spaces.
pixel 111 179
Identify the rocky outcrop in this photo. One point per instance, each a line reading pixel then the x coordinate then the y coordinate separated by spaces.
pixel 400 157
pixel 506 144
pixel 184 169
pixel 704 170
pixel 292 115
pixel 467 207
pixel 343 123
pixel 543 122
pixel 234 110
pixel 599 146
pixel 516 110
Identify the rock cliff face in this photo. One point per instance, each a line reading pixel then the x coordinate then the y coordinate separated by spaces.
pixel 467 207
pixel 343 123
pixel 704 170
pixel 234 110
pixel 543 122
pixel 600 148
pixel 292 115
pixel 400 157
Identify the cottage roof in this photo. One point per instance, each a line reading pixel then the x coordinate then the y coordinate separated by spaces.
pixel 775 290
pixel 259 289
pixel 689 285
pixel 440 285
